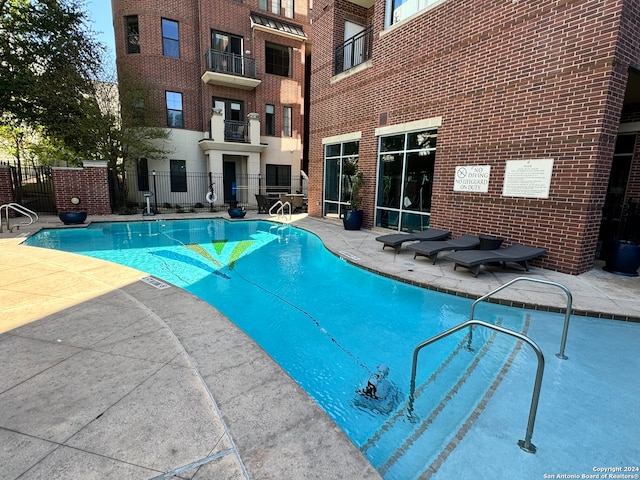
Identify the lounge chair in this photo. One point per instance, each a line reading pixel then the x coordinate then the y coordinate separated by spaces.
pixel 473 259
pixel 432 248
pixel 396 240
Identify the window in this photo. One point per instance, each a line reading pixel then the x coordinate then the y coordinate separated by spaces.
pixel 174 109
pixel 270 120
pixel 401 9
pixel 275 6
pixel 278 178
pixel 405 179
pixel 137 113
pixel 178 171
pixel 286 122
pixel 277 59
pixel 132 32
pixel 170 38
pixel 142 172
pixel 339 160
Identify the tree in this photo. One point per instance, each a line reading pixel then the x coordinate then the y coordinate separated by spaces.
pixel 125 128
pixel 49 59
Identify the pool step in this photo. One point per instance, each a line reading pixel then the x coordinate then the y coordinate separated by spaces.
pixel 442 405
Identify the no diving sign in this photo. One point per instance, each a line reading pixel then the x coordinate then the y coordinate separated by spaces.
pixel 472 178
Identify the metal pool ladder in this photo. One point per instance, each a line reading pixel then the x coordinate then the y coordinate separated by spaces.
pixel 16 207
pixel 525 444
pixel 282 209
pixel 567 314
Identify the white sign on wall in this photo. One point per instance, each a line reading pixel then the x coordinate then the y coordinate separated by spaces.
pixel 527 178
pixel 472 178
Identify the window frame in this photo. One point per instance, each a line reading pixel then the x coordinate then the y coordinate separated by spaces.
pixel 404 191
pixel 169 44
pixel 273 67
pixel 132 38
pixel 270 120
pixel 169 103
pixel 287 122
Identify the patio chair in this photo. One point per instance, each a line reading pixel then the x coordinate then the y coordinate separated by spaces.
pixel 396 240
pixel 432 248
pixel 264 203
pixel 474 259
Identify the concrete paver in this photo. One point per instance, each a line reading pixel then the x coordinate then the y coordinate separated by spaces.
pixel 106 376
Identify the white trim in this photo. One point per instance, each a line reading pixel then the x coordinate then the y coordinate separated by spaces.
pixel 409 126
pixel 345 137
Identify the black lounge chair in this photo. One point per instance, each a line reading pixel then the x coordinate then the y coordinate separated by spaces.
pixel 473 259
pixel 432 248
pixel 396 240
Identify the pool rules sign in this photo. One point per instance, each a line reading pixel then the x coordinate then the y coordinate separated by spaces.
pixel 472 178
pixel 527 178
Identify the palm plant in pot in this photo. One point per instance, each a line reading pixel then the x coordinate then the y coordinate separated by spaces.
pixel 352 216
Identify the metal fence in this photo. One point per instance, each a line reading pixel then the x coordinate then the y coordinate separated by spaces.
pixel 169 192
pixel 33 188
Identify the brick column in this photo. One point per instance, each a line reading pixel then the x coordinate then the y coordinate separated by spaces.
pixel 89 183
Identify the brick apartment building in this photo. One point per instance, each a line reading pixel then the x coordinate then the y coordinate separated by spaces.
pixel 513 118
pixel 228 77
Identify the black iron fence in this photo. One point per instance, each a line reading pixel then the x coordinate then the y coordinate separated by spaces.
pixel 203 191
pixel 33 188
pixel 230 63
pixel 353 51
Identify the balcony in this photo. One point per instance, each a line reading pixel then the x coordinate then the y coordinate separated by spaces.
pixel 230 70
pixel 354 51
pixel 232 135
pixel 235 131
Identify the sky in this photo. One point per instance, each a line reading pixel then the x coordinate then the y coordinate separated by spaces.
pixel 100 14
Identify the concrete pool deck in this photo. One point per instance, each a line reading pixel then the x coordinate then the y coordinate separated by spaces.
pixel 107 376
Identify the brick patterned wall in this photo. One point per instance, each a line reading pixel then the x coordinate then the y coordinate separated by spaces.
pixel 511 80
pixel 6 188
pixel 90 184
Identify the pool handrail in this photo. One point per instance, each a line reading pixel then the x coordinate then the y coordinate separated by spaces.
pixel 33 216
pixel 525 444
pixel 280 209
pixel 567 314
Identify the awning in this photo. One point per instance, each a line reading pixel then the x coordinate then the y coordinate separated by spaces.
pixel 277 26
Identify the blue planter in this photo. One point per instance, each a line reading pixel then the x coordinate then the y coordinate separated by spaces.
pixel 236 212
pixel 72 218
pixel 352 219
pixel 623 258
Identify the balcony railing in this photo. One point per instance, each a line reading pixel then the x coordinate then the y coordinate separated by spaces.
pixel 235 131
pixel 230 63
pixel 354 51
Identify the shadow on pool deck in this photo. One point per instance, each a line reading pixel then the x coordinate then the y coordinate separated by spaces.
pixel 105 376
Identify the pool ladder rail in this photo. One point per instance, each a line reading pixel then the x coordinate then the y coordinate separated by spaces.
pixel 525 444
pixel 282 209
pixel 16 207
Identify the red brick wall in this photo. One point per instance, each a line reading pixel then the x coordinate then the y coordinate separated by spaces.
pixel 90 184
pixel 6 188
pixel 511 81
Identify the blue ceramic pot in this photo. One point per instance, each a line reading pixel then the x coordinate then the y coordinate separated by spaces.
pixel 72 218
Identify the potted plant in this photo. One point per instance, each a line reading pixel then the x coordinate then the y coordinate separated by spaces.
pixel 623 255
pixel 352 216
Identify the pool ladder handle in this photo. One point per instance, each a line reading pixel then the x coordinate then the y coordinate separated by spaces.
pixel 525 444
pixel 567 314
pixel 33 216
pixel 280 208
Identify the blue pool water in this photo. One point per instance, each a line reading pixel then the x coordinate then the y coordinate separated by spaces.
pixel 327 323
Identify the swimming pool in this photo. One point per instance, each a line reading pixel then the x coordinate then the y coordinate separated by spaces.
pixel 326 322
